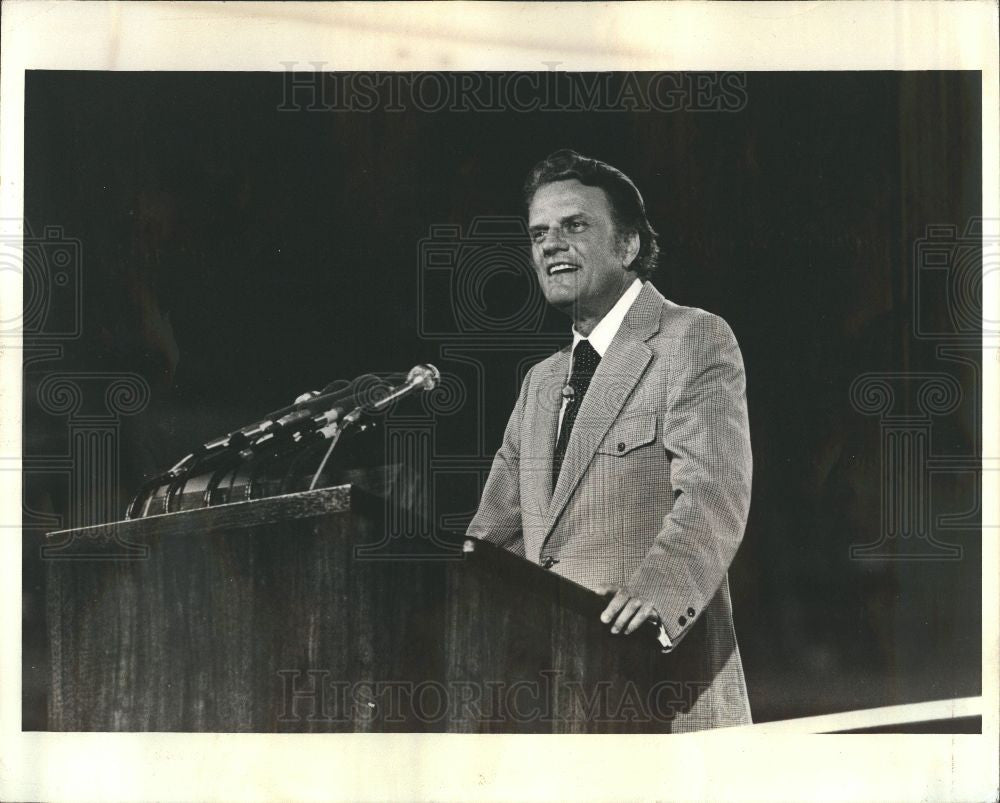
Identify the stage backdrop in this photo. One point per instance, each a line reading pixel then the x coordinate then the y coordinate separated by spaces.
pixel 221 242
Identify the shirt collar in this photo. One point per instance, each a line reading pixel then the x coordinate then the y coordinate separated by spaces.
pixel 609 325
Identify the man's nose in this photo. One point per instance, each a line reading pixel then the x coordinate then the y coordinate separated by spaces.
pixel 553 242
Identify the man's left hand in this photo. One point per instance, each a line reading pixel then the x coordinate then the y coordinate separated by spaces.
pixel 625 612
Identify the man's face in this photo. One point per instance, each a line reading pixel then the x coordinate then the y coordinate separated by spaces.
pixel 576 250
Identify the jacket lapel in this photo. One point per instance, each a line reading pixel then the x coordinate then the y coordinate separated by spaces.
pixel 542 431
pixel 616 377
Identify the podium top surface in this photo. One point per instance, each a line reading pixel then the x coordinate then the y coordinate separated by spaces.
pixel 302 505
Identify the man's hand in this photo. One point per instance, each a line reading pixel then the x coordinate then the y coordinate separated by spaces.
pixel 625 612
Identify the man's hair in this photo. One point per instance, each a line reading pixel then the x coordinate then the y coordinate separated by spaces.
pixel 627 207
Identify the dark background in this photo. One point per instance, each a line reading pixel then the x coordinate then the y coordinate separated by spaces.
pixel 234 255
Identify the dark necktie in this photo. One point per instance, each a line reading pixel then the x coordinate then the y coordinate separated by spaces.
pixel 585 362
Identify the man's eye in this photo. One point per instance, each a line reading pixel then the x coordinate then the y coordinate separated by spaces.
pixel 577 225
pixel 537 236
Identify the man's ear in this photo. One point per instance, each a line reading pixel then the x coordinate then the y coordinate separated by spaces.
pixel 630 249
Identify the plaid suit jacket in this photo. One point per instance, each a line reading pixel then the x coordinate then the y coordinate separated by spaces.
pixel 655 486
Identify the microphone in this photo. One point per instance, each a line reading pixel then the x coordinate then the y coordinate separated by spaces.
pixel 420 377
pixel 305 405
pixel 339 393
pixel 307 414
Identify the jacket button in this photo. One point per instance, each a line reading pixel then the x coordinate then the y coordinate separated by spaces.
pixel 682 620
pixel 690 611
pixel 621 447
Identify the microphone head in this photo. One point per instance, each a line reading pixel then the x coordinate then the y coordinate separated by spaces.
pixel 427 376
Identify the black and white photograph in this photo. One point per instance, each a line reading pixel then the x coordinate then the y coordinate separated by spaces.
pixel 518 397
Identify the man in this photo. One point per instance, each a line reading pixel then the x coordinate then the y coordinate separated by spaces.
pixel 626 462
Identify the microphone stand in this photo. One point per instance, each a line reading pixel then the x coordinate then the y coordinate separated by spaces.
pixel 301 423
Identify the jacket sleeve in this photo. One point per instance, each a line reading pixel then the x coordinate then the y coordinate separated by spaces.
pixel 498 519
pixel 707 436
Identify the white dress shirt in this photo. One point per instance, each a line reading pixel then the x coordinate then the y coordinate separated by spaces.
pixel 605 331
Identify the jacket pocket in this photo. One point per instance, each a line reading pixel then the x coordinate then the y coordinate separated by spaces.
pixel 628 434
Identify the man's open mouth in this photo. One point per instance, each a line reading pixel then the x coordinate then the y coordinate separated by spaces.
pixel 562 267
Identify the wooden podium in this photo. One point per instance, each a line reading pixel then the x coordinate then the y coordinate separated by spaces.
pixel 296 614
